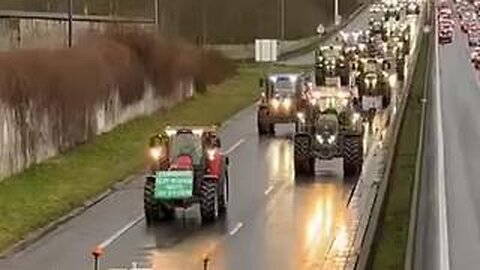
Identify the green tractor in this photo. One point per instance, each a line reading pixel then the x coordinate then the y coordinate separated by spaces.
pixel 330 62
pixel 330 128
pixel 280 100
pixel 186 168
pixel 373 85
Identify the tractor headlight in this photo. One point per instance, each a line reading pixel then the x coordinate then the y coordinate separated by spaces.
pixel 301 117
pixel 319 139
pixel 287 103
pixel 197 132
pixel 275 103
pixel 331 139
pixel 355 117
pixel 211 154
pixel 170 132
pixel 156 153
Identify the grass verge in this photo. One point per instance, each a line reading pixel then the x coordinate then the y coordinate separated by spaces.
pixel 46 191
pixel 391 237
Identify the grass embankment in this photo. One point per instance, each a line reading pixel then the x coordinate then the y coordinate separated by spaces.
pixel 48 190
pixel 391 236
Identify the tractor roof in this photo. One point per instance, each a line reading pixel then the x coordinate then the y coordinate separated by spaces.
pixel 291 76
pixel 197 130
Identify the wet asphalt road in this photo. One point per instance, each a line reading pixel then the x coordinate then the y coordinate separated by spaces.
pixel 460 99
pixel 274 221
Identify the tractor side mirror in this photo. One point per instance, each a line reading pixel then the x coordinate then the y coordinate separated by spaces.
pixel 261 82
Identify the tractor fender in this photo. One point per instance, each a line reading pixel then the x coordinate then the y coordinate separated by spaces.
pixel 215 166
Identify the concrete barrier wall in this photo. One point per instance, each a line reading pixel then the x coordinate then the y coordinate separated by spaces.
pixel 18 32
pixel 30 134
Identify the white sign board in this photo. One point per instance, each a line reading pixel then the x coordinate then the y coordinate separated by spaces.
pixel 372 102
pixel 266 50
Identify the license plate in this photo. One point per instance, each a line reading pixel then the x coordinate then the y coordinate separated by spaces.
pixel 173 184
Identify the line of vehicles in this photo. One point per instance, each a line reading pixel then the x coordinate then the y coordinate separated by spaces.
pixel 467 14
pixel 470 25
pixel 349 84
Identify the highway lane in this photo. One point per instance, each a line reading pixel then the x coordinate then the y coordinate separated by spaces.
pixel 274 222
pixel 460 96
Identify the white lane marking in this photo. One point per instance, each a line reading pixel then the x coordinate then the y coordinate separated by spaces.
pixel 236 229
pixel 235 146
pixel 268 190
pixel 120 232
pixel 444 256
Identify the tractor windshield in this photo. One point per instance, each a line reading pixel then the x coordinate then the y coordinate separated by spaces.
pixel 186 144
pixel 284 85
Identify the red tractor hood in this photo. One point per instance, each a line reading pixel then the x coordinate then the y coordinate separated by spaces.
pixel 182 162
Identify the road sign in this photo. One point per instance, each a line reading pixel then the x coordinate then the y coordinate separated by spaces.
pixel 321 29
pixel 266 50
pixel 173 184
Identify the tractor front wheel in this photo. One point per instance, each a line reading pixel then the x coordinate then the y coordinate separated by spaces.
pixel 352 155
pixel 150 205
pixel 209 207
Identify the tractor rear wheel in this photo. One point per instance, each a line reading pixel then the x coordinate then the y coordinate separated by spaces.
pixel 209 208
pixel 352 155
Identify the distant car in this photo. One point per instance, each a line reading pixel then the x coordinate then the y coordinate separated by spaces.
pixel 446 23
pixel 466 25
pixel 475 53
pixel 474 40
pixel 476 62
pixel 445 36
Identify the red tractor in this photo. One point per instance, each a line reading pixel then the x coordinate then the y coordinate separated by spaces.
pixel 187 167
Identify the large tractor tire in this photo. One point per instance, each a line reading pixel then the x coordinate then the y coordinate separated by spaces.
pixel 209 207
pixel 304 164
pixel 352 155
pixel 344 77
pixel 319 77
pixel 223 192
pixel 401 70
pixel 150 205
pixel 263 127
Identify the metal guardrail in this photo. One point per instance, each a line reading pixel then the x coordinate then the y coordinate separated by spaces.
pixel 369 236
pixel 10 14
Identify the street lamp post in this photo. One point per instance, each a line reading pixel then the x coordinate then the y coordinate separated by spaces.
pixel 335 16
pixel 70 23
pixel 156 9
pixel 282 19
